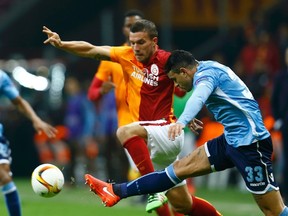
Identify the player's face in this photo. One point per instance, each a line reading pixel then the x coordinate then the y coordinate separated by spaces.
pixel 128 22
pixel 181 80
pixel 143 47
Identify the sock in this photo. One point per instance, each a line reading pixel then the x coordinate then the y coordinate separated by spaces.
pixel 164 210
pixel 12 199
pixel 176 213
pixel 284 212
pixel 202 207
pixel 148 184
pixel 137 148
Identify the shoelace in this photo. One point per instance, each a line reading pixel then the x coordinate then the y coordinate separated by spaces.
pixel 154 197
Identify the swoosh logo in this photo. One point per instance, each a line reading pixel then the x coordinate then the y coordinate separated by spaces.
pixel 138 164
pixel 105 189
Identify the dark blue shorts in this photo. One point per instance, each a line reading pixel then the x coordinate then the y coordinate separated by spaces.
pixel 253 162
pixel 5 151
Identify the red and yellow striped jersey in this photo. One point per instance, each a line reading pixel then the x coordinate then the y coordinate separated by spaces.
pixel 149 90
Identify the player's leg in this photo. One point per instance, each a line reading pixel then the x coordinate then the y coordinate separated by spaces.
pixel 255 165
pixel 194 164
pixel 187 204
pixel 156 182
pixel 164 152
pixel 9 189
pixel 133 137
pixel 271 203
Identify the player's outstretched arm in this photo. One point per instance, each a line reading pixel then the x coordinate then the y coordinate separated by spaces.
pixel 40 126
pixel 80 48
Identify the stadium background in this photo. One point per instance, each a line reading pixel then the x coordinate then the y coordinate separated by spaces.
pixel 205 27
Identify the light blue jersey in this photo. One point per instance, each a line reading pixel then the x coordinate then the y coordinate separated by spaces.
pixel 229 100
pixel 8 90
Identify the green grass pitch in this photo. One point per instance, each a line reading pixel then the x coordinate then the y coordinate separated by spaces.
pixel 79 201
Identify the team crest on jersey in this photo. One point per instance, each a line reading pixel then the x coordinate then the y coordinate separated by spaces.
pixel 154 69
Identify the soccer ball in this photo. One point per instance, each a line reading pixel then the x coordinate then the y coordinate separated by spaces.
pixel 47 180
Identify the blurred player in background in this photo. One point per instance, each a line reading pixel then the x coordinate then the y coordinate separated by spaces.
pixel 109 77
pixel 150 99
pixel 80 120
pixel 9 189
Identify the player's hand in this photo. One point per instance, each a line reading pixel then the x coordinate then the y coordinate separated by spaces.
pixel 195 125
pixel 175 130
pixel 41 126
pixel 107 87
pixel 53 37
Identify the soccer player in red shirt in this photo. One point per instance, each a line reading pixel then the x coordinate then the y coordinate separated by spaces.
pixel 150 99
pixel 109 76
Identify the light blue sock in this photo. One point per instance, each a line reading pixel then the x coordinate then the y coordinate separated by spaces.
pixel 284 212
pixel 12 199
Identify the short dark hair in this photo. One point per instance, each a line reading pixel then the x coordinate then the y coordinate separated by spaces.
pixel 144 25
pixel 178 59
pixel 134 12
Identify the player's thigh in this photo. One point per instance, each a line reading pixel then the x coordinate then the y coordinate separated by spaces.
pixel 270 203
pixel 180 198
pixel 127 131
pixel 163 151
pixel 194 164
pixel 5 173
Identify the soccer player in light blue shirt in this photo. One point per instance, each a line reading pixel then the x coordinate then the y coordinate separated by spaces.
pixel 245 144
pixel 7 185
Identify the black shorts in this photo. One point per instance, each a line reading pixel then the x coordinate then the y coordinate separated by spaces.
pixel 252 161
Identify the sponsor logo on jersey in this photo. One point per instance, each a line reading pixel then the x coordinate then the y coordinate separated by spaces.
pixel 147 77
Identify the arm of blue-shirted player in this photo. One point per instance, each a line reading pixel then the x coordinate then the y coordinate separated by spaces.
pixel 9 90
pixel 163 180
pixel 80 48
pixel 40 126
pixel 194 104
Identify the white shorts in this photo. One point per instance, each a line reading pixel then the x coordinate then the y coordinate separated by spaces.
pixel 163 151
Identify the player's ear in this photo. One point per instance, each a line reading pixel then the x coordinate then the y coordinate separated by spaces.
pixel 183 71
pixel 155 40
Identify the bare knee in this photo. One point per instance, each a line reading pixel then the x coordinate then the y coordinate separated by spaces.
pixel 128 131
pixel 122 134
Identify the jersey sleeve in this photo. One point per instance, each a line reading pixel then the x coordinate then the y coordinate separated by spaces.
pixel 104 70
pixel 204 84
pixel 117 53
pixel 94 93
pixel 7 87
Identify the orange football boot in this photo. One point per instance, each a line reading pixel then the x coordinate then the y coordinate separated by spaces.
pixel 103 189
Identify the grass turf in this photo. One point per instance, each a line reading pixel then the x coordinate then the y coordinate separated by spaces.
pixel 78 201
